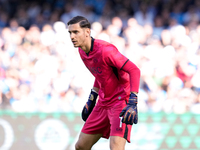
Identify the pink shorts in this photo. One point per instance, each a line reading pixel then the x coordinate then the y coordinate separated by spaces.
pixel 106 121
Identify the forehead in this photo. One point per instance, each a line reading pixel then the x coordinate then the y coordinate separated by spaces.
pixel 73 27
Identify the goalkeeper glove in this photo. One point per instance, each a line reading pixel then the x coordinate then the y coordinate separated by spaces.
pixel 129 113
pixel 87 109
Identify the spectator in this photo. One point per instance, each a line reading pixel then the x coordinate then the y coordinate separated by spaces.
pixel 143 15
pixel 158 26
pixel 177 12
pixel 3 19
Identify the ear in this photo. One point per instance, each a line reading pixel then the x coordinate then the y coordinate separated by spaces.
pixel 87 32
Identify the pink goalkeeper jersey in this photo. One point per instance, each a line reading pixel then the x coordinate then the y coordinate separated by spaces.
pixel 105 62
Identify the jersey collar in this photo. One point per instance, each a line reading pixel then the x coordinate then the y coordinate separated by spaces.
pixel 92 44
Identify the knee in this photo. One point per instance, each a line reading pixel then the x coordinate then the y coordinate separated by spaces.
pixel 113 145
pixel 78 146
pixel 117 143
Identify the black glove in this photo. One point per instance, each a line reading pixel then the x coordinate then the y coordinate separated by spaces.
pixel 87 109
pixel 129 113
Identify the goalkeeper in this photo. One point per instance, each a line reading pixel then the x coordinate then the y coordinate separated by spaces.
pixel 116 86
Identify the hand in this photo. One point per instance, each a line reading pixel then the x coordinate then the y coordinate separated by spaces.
pixel 87 109
pixel 129 113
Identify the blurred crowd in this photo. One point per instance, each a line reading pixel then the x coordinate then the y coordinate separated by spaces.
pixel 40 70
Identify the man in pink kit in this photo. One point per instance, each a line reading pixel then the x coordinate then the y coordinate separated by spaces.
pixel 116 86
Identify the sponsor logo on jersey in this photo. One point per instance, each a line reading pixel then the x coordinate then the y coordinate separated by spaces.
pixel 95 70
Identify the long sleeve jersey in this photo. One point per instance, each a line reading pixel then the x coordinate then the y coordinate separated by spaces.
pixel 115 75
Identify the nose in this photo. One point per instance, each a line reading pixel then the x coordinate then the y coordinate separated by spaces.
pixel 72 36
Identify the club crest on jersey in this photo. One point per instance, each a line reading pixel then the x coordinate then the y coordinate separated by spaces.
pixel 95 60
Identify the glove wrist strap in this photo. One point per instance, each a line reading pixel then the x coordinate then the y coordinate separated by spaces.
pixel 133 99
pixel 93 96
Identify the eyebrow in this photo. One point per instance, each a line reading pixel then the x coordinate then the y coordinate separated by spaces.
pixel 73 31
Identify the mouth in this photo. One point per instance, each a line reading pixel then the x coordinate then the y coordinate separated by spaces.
pixel 74 42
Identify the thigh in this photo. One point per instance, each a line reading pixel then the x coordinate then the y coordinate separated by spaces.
pixel 117 143
pixel 86 141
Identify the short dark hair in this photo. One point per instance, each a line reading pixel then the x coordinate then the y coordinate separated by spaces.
pixel 83 22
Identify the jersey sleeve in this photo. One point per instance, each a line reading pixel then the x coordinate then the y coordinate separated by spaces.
pixel 96 84
pixel 113 57
pixel 134 73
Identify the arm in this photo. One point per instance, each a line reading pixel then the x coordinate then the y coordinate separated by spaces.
pixel 129 113
pixel 113 57
pixel 87 109
pixel 134 73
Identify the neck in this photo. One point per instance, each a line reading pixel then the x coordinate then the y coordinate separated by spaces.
pixel 87 46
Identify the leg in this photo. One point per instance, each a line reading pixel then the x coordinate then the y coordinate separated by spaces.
pixel 86 141
pixel 117 143
pixel 120 132
pixel 96 126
